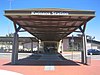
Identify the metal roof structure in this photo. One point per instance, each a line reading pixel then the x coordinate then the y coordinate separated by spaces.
pixel 50 24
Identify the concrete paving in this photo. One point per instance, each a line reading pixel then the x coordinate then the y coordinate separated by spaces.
pixel 92 69
pixel 60 69
pixel 50 57
pixel 5 72
pixel 67 56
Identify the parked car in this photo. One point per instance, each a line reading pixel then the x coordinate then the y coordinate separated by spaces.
pixel 93 52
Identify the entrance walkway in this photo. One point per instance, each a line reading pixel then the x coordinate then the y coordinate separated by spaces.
pixel 92 69
pixel 45 59
pixel 51 57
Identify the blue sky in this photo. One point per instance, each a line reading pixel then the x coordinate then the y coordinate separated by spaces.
pixel 93 26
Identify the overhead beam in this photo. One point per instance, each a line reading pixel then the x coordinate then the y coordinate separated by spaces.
pixel 32 30
pixel 52 26
pixel 46 23
pixel 49 19
pixel 49 33
pixel 70 31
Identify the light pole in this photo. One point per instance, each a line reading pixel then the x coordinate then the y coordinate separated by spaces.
pixel 10 4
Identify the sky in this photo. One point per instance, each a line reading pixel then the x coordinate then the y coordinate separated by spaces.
pixel 93 26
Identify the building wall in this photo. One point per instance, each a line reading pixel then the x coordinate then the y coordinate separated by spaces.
pixel 88 46
pixel 65 44
pixel 93 46
pixel 27 46
pixel 76 45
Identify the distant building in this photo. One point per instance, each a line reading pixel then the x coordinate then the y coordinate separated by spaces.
pixel 32 44
pixel 93 44
pixel 25 44
pixel 77 44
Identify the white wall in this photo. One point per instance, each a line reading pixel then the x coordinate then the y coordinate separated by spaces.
pixel 88 46
pixel 28 46
pixel 94 46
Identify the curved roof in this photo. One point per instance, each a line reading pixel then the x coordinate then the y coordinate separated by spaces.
pixel 50 24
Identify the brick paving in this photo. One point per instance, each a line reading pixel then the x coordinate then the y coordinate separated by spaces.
pixel 80 69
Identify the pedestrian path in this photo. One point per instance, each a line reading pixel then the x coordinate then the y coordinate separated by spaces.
pixel 50 57
pixel 6 72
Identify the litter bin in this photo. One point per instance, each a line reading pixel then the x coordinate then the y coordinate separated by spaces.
pixel 88 60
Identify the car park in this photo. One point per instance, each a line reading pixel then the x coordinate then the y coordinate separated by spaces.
pixel 93 52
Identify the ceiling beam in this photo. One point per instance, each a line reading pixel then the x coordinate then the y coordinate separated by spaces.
pixel 52 26
pixel 48 19
pixel 49 33
pixel 48 30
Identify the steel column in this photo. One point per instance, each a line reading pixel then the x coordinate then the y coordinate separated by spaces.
pixel 84 50
pixel 15 49
pixel 32 47
pixel 83 54
pixel 15 45
pixel 38 47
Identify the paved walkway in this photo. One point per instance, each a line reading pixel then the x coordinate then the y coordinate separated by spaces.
pixel 50 57
pixel 51 69
pixel 5 72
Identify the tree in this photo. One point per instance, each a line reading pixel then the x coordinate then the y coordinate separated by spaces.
pixel 10 35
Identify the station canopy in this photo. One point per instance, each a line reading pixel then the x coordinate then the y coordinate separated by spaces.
pixel 50 24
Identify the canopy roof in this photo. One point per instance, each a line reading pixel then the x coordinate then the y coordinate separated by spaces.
pixel 50 24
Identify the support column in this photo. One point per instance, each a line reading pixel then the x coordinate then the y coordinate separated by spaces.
pixel 32 47
pixel 15 49
pixel 15 45
pixel 23 46
pixel 84 54
pixel 84 50
pixel 62 46
pixel 38 47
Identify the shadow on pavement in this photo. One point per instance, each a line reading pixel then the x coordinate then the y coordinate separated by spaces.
pixel 45 59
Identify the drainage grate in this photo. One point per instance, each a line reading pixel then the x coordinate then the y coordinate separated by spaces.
pixel 49 68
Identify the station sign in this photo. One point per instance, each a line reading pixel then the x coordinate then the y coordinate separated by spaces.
pixel 49 13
